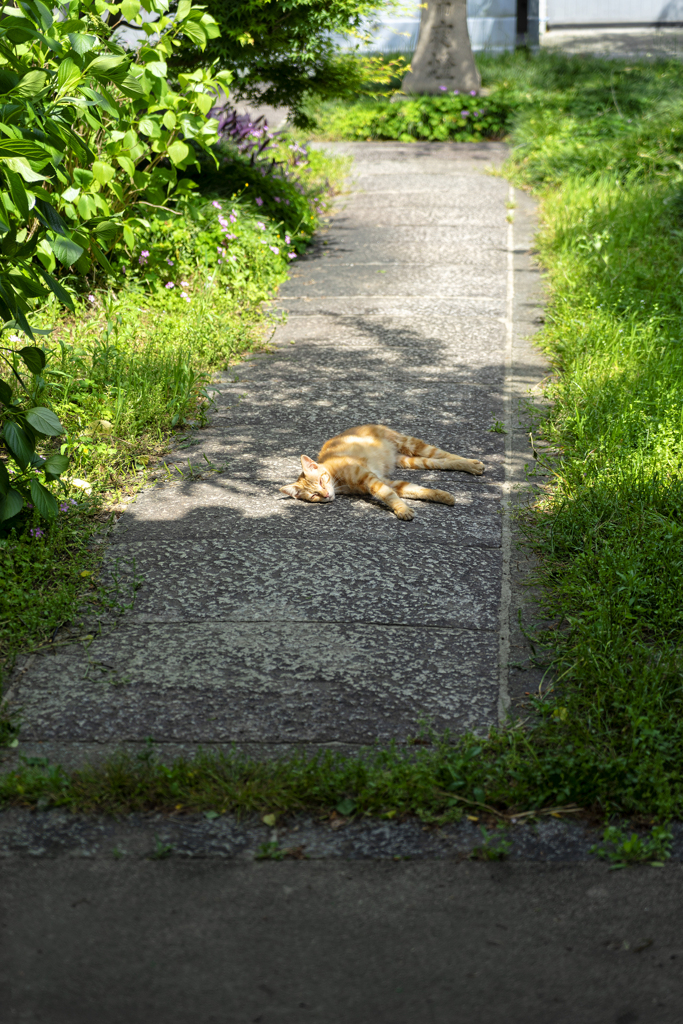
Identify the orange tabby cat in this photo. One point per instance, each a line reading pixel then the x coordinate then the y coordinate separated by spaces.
pixel 360 461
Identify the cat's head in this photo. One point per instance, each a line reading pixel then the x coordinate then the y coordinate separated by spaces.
pixel 314 484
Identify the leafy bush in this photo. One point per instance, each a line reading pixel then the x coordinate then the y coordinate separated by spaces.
pixel 24 421
pixel 77 131
pixel 283 52
pixel 434 118
pixel 87 132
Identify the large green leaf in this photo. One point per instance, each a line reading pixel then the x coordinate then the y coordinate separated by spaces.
pixel 55 287
pixel 31 84
pixel 82 43
pixel 10 505
pixel 56 464
pixel 44 421
pixel 45 502
pixel 126 164
pixel 17 192
pixel 66 251
pixel 195 32
pixel 21 165
pixel 105 65
pixel 4 480
pixel 130 9
pixel 103 172
pixel 131 87
pixel 44 12
pixel 50 217
pixel 150 126
pixel 5 393
pixel 34 358
pixel 178 151
pixel 18 443
pixel 68 73
pixel 22 147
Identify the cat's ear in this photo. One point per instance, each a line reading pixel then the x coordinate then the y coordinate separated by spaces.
pixel 308 465
pixel 292 490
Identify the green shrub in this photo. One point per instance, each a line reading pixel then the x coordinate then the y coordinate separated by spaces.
pixel 435 118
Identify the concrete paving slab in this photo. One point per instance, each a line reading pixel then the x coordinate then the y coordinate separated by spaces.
pixel 397 279
pixel 400 305
pixel 332 247
pixel 215 507
pixel 251 682
pixel 251 579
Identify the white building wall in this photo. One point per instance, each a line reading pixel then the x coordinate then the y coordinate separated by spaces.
pixel 492 25
pixel 613 12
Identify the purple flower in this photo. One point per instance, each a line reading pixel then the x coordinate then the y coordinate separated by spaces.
pixel 292 255
pixel 473 92
pixel 287 203
pixel 274 249
pixel 229 237
pixel 276 198
pixel 464 113
pixel 260 224
pixel 169 284
pixel 232 218
pixel 185 284
pixel 37 532
pixel 288 240
pixel 170 262
pixel 142 258
pixel 259 201
pixel 91 298
pixel 442 88
pixel 217 204
pixel 456 92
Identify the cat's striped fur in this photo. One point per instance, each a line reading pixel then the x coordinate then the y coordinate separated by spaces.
pixel 362 460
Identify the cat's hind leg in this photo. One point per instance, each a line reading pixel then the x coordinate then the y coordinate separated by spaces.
pixel 407 490
pixel 446 461
pixel 416 454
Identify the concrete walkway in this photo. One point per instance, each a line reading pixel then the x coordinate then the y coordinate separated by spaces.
pixel 625 43
pixel 270 622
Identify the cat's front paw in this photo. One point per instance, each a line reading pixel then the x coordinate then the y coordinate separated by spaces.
pixel 475 466
pixel 403 512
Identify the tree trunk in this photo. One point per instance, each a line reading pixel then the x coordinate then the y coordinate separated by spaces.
pixel 443 61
